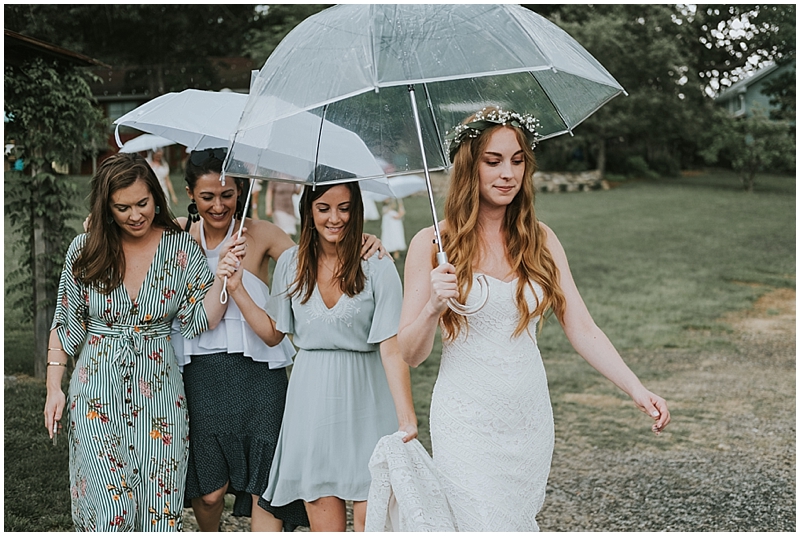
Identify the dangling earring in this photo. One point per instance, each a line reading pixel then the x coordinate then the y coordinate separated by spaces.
pixel 158 209
pixel 110 219
pixel 194 214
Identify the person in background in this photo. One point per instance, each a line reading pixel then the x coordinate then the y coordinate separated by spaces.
pixel 393 234
pixel 279 206
pixel 123 283
pixel 161 168
pixel 254 199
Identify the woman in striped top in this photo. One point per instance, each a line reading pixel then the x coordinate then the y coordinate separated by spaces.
pixel 123 283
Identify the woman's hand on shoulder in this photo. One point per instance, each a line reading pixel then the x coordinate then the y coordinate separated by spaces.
pixel 370 244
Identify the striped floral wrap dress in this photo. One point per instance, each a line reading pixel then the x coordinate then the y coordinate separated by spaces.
pixel 128 422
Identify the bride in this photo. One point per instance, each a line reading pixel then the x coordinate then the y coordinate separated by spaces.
pixel 491 420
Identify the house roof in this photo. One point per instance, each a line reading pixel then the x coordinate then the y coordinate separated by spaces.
pixel 742 85
pixel 19 48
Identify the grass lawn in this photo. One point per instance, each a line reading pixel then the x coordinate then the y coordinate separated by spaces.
pixel 657 262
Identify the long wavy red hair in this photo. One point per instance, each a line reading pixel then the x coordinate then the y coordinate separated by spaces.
pixel 525 238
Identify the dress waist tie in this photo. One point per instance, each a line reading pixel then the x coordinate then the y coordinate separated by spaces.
pixel 133 337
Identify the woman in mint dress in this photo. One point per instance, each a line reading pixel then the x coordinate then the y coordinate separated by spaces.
pixel 349 386
pixel 123 283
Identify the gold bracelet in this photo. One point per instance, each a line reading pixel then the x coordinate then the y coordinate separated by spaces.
pixel 56 350
pixel 56 364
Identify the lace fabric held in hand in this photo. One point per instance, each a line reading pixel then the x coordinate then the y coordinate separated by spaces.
pixel 405 494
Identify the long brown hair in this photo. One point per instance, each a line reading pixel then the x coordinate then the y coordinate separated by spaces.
pixel 101 262
pixel 525 238
pixel 350 274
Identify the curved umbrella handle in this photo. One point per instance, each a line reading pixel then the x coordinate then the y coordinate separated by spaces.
pixel 460 308
pixel 223 297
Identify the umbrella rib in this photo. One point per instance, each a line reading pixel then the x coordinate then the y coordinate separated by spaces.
pixel 373 56
pixel 319 141
pixel 555 107
pixel 440 141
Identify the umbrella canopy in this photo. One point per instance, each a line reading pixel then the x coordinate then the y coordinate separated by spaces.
pixel 402 76
pixel 194 118
pixel 352 65
pixel 145 142
pixel 207 119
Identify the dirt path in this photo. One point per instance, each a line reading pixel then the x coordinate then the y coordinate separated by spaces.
pixel 726 463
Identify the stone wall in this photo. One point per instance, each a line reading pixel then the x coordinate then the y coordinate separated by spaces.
pixel 556 181
pixel 563 181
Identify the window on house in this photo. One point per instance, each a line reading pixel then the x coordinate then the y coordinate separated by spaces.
pixel 741 105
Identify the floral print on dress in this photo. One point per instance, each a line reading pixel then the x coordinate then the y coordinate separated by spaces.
pixel 127 387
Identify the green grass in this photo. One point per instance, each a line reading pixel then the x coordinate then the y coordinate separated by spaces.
pixel 657 262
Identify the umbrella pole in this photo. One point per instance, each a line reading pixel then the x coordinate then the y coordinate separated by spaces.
pixel 223 297
pixel 441 256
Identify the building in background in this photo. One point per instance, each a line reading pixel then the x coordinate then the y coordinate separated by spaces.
pixel 748 94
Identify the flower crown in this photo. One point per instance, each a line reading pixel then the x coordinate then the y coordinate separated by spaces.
pixel 483 120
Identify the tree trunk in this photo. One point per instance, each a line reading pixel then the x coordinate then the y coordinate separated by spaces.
pixel 42 305
pixel 41 327
pixel 601 156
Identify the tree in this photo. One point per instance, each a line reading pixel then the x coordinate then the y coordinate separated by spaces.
pixel 277 21
pixel 168 44
pixel 752 145
pixel 53 120
pixel 670 59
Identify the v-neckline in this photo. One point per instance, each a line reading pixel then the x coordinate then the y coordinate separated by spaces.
pixel 135 299
pixel 325 305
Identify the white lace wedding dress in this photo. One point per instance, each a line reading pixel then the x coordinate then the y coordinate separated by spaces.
pixel 491 419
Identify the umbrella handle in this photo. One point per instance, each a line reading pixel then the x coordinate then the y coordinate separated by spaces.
pixel 223 297
pixel 459 308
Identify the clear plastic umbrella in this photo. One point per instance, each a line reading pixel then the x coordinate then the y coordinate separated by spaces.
pixel 401 76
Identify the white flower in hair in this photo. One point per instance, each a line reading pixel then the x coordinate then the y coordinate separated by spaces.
pixel 483 120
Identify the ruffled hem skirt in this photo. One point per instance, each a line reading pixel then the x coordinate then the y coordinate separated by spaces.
pixel 235 410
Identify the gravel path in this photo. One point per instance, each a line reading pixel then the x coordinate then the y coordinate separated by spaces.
pixel 725 463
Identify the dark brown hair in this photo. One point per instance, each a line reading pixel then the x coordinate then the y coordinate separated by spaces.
pixel 101 262
pixel 350 274
pixel 207 161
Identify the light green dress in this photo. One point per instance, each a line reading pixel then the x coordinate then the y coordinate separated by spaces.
pixel 128 422
pixel 338 404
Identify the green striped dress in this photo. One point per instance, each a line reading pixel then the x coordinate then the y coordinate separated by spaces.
pixel 128 422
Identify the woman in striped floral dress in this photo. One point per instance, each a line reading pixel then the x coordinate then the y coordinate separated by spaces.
pixel 123 283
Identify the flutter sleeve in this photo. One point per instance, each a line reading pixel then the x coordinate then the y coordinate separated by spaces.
pixel 279 306
pixel 388 294
pixel 72 307
pixel 196 282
